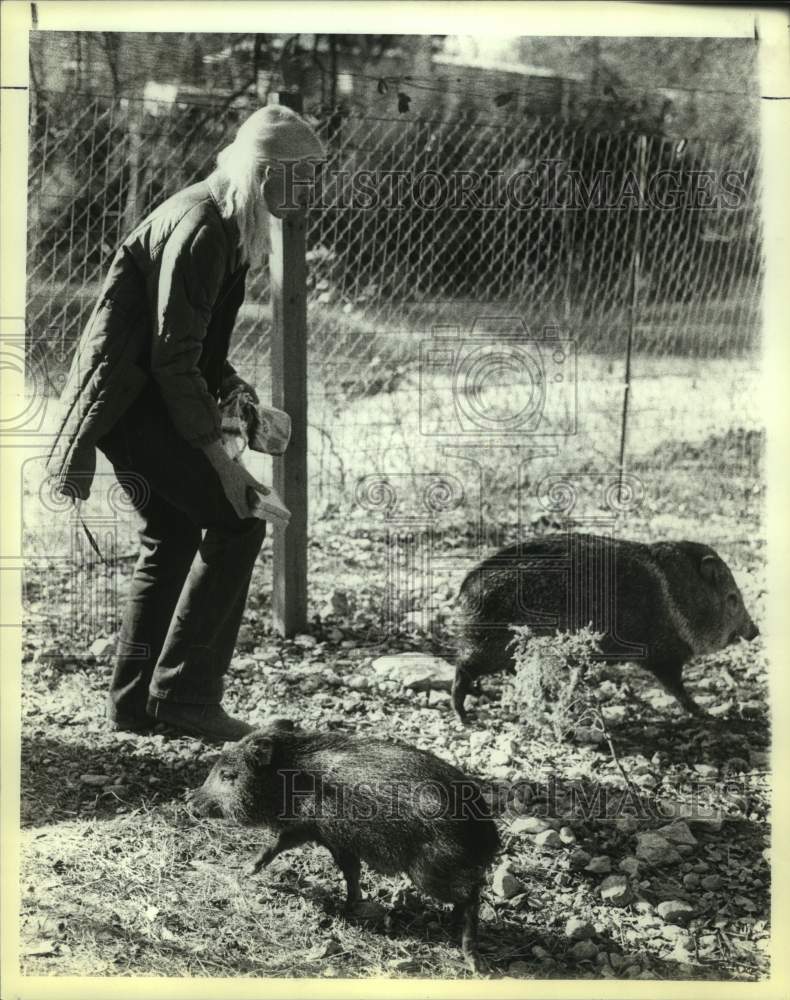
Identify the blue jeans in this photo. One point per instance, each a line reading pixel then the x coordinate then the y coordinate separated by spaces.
pixel 190 583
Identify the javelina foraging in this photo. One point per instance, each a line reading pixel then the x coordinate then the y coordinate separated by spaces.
pixel 658 605
pixel 397 808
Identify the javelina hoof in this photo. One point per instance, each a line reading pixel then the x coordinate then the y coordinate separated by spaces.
pixel 479 966
pixel 366 911
pixel 261 860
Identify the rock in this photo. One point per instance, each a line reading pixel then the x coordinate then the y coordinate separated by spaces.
pixel 643 908
pixel 246 638
pixel 627 824
pixel 600 865
pixel 505 883
pixel 305 641
pixel 506 744
pixel 646 780
pixel 548 839
pixel 707 770
pixel 102 647
pixel 583 951
pixel 579 858
pixel 675 911
pixel 712 882
pixel 519 968
pixel 417 672
pixel 358 682
pixel 678 832
pixel 567 836
pixel 708 818
pixel 98 780
pixel 529 824
pixel 338 605
pixel 323 950
pixel 615 713
pixel 416 621
pixel 691 880
pixel 629 865
pixel 682 947
pixel 588 734
pixel 577 929
pixel 655 849
pixel 498 758
pixel 540 952
pixel 616 890
pixel 335 635
pixel 404 965
pixel 719 711
pixel 479 740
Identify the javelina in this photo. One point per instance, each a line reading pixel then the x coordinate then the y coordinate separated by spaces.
pixel 658 605
pixel 397 808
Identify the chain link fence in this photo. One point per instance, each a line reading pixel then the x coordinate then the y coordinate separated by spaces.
pixel 473 289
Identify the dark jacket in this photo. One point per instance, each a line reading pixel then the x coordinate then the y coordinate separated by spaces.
pixel 165 313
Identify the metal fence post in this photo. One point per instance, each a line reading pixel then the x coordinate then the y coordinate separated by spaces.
pixel 636 273
pixel 288 275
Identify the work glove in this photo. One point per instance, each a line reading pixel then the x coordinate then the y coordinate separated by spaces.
pixel 240 486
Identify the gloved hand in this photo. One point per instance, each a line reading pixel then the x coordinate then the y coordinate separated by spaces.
pixel 238 484
pixel 232 384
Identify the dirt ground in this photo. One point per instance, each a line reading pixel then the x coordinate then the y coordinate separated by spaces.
pixel 118 879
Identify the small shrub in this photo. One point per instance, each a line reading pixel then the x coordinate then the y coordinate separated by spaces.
pixel 556 679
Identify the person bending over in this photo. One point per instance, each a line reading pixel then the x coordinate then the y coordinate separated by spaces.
pixel 145 386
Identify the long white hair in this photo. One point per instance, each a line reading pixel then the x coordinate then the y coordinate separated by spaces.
pixel 271 135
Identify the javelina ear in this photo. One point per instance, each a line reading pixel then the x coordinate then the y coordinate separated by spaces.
pixel 710 569
pixel 261 746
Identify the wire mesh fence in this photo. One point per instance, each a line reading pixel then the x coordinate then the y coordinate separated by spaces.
pixel 471 290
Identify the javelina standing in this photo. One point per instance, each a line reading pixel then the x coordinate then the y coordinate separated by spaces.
pixel 394 807
pixel 658 605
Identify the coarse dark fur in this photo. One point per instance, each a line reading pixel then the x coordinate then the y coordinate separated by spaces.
pixel 658 605
pixel 395 807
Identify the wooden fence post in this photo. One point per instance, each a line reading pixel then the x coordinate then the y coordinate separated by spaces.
pixel 288 275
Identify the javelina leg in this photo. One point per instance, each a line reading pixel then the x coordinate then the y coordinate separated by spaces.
pixel 466 914
pixel 461 685
pixel 349 865
pixel 671 676
pixel 291 836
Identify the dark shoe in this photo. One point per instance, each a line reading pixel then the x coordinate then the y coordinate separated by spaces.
pixel 120 723
pixel 206 722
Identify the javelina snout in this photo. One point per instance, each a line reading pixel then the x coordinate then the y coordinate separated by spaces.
pixel 397 808
pixel 229 790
